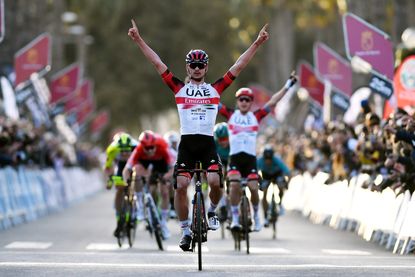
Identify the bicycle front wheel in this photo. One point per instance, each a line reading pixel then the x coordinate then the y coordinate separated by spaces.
pixel 274 217
pixel 245 219
pixel 132 226
pixel 199 227
pixel 155 225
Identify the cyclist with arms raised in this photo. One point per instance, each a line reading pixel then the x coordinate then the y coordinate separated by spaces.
pixel 243 129
pixel 151 150
pixel 119 151
pixel 197 103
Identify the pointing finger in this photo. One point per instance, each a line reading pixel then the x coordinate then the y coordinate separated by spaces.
pixel 265 28
pixel 134 24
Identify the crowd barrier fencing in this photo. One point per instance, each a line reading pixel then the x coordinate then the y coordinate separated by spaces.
pixel 381 217
pixel 27 194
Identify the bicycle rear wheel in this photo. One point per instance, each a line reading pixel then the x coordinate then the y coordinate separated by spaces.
pixel 245 220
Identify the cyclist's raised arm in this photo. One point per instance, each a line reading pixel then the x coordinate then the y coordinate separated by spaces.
pixel 244 59
pixel 147 51
pixel 225 111
pixel 277 96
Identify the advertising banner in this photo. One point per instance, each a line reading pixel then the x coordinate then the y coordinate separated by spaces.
pixel 331 66
pixel 99 122
pixel 81 95
pixel 369 43
pixel 64 83
pixel 404 86
pixel 34 57
pixel 84 111
pixel 311 82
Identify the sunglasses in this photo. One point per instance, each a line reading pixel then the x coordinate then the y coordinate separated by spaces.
pixel 199 65
pixel 244 99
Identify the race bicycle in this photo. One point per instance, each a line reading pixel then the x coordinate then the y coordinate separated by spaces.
pixel 199 226
pixel 128 214
pixel 152 216
pixel 246 219
pixel 273 213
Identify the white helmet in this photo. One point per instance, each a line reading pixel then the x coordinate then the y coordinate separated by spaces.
pixel 172 137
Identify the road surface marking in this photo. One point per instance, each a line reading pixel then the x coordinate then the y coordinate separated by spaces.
pixel 28 245
pixel 346 252
pixel 181 265
pixel 175 248
pixel 263 250
pixel 105 246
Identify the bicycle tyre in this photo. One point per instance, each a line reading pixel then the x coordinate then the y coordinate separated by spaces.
pixel 156 227
pixel 274 217
pixel 245 219
pixel 120 238
pixel 132 227
pixel 199 228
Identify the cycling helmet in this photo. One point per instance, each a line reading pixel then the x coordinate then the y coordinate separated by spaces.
pixel 147 138
pixel 197 56
pixel 124 141
pixel 221 130
pixel 244 92
pixel 172 137
pixel 268 152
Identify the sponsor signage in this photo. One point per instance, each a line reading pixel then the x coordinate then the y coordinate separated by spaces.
pixel 84 111
pixel 34 57
pixel 369 43
pixel 340 100
pixel 331 66
pixel 64 83
pixel 81 95
pixel 311 82
pixel 381 86
pixel 404 86
pixel 99 122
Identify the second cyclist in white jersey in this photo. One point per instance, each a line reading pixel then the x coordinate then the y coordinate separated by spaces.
pixel 243 129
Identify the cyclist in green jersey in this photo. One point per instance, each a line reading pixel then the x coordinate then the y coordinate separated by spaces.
pixel 118 153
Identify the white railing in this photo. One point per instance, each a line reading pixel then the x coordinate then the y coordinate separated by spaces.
pixel 380 217
pixel 26 194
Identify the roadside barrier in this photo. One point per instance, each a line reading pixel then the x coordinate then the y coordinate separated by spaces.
pixel 383 217
pixel 26 194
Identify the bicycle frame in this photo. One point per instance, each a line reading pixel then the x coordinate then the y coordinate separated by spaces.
pixel 128 215
pixel 151 214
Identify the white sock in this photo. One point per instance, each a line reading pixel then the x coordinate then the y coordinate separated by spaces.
pixel 164 216
pixel 256 208
pixel 185 226
pixel 139 196
pixel 212 207
pixel 222 201
pixel 235 213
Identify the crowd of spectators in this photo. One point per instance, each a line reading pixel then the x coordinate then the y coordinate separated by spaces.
pixel 23 144
pixel 378 147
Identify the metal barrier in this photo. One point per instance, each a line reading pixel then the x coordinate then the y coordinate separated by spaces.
pixel 26 194
pixel 383 218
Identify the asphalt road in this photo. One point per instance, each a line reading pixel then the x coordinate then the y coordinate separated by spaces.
pixel 79 242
